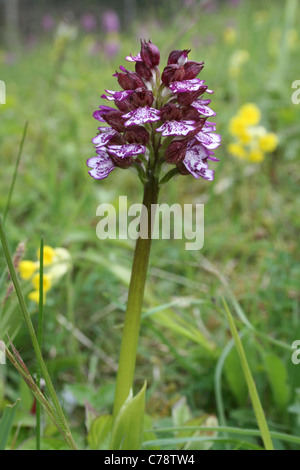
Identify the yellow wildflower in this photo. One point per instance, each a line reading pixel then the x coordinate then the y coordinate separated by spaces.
pixel 46 282
pixel 250 114
pixel 56 262
pixel 237 150
pixel 27 269
pixel 35 296
pixel 48 255
pixel 252 140
pixel 268 142
pixel 256 156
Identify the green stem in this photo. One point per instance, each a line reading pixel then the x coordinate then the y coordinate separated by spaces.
pixel 135 301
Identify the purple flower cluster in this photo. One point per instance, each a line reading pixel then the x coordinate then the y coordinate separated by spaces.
pixel 159 118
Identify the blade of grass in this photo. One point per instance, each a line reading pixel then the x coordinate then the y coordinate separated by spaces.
pixel 171 442
pixel 230 430
pixel 7 422
pixel 257 407
pixel 11 189
pixel 59 412
pixel 208 266
pixel 40 341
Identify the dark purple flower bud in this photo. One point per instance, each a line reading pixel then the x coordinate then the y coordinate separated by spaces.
pixel 172 73
pixel 137 135
pixel 129 80
pixel 187 98
pixel 189 114
pixel 176 151
pixel 115 120
pixel 182 169
pixel 141 97
pixel 178 57
pixel 124 106
pixel 171 112
pixel 192 69
pixel 121 162
pixel 143 71
pixel 150 54
pixel 117 139
pixel 200 121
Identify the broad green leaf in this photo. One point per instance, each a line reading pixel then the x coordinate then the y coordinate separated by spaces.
pixel 127 433
pixel 99 432
pixel 7 422
pixel 278 380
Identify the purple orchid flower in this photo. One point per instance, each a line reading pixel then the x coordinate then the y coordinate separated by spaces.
pixel 158 117
pixel 135 58
pixel 101 166
pixel 142 116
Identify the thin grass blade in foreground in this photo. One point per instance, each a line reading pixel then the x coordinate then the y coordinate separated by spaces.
pixel 257 407
pixel 40 339
pixel 58 410
pixel 15 174
pixel 7 422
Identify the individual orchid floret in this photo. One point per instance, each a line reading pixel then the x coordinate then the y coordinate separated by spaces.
pixel 178 128
pixel 101 165
pixel 159 119
pixel 201 106
pixel 129 80
pixel 117 95
pixel 103 138
pixel 142 116
pixel 172 73
pixel 186 85
pixel 123 151
pixel 150 54
pixel 178 57
pixel 136 58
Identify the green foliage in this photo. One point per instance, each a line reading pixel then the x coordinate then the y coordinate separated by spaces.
pixel 278 378
pixel 6 423
pixel 127 430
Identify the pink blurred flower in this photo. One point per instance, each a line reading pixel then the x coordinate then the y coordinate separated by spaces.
pixel 111 48
pixel 88 22
pixel 48 22
pixel 110 21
